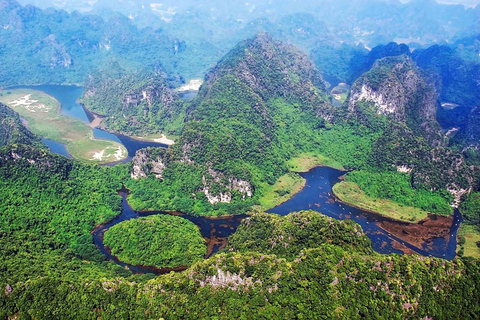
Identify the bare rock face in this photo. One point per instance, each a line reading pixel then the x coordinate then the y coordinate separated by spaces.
pixel 217 181
pixel 148 161
pixel 215 185
pixel 397 89
pixel 148 95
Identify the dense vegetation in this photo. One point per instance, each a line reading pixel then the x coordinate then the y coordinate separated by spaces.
pixel 469 235
pixel 471 208
pixel 282 267
pixel 137 103
pixel 66 47
pixel 261 106
pixel 296 282
pixel 12 130
pixel 252 116
pixel 160 241
pixel 241 129
pixel 48 208
pixel 288 236
pixel 398 187
pixel 460 77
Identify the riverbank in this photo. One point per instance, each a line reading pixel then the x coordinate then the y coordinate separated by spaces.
pixel 469 240
pixel 158 138
pixel 309 160
pixel 42 112
pixel 351 194
pixel 283 190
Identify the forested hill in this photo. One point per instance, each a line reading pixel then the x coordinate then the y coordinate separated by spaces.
pixel 397 91
pixel 61 47
pixel 12 131
pixel 265 103
pixel 133 103
pixel 270 68
pixel 257 106
pixel 460 72
pixel 403 93
pixel 261 104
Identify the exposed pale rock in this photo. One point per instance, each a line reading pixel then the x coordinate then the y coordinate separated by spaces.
pixel 235 184
pixel 144 164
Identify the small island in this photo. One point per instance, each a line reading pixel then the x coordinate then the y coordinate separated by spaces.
pixel 161 241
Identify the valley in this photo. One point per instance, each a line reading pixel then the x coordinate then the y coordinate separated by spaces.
pixel 212 160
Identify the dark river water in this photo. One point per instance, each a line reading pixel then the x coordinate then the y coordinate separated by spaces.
pixel 434 237
pixel 317 195
pixel 214 231
pixel 68 96
pixel 387 235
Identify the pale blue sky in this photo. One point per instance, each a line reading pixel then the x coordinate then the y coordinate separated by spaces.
pixel 468 3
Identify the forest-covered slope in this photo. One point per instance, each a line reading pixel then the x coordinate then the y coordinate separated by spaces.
pixel 401 92
pixel 295 276
pixel 60 47
pixel 133 103
pixel 396 89
pixel 263 102
pixel 12 131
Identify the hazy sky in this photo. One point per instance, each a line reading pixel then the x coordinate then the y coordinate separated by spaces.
pixel 468 3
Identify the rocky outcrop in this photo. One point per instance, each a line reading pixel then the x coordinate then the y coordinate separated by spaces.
pixel 217 181
pixel 216 187
pixel 149 94
pixel 133 103
pixel 148 161
pixel 397 89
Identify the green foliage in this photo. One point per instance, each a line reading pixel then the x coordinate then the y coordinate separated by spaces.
pixel 51 270
pixel 12 130
pixel 48 208
pixel 397 187
pixel 470 208
pixel 351 144
pixel 288 236
pixel 460 77
pixel 134 103
pixel 160 241
pixel 268 286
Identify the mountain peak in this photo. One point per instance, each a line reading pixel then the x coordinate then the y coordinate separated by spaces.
pixel 396 88
pixel 271 68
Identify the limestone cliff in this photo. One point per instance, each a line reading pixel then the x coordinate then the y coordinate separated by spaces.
pixel 216 187
pixel 400 91
pixel 148 161
pixel 135 103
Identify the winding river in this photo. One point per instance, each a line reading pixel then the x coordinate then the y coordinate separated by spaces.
pixel 215 231
pixel 434 236
pixel 68 96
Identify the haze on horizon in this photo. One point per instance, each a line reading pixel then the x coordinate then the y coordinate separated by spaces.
pixel 87 5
